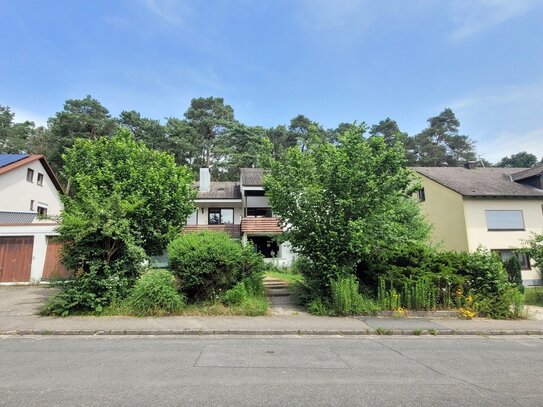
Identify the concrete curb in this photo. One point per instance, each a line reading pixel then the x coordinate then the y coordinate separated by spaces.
pixel 245 332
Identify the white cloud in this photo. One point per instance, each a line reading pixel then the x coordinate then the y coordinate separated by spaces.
pixel 505 120
pixel 474 16
pixel 174 12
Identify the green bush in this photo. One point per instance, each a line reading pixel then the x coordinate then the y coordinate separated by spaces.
pixel 209 263
pixel 345 297
pixel 236 295
pixel 92 290
pixel 514 273
pixel 155 293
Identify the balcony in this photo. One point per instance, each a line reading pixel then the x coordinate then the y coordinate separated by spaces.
pixel 260 225
pixel 233 230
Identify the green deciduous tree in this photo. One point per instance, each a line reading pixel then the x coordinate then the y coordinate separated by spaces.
pixel 340 203
pixel 519 160
pixel 533 248
pixel 126 202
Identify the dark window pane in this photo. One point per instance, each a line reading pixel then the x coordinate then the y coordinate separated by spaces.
pixel 214 217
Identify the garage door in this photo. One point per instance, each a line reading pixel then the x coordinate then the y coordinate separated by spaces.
pixel 53 268
pixel 15 259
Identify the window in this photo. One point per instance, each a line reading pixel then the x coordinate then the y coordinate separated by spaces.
pixel 265 245
pixel 31 204
pixel 522 257
pixel 39 180
pixel 193 218
pixel 259 212
pixel 30 175
pixel 220 216
pixel 42 211
pixel 422 195
pixel 504 220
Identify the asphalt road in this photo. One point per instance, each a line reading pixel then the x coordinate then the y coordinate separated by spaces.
pixel 215 371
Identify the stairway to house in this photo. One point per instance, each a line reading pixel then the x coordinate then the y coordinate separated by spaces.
pixel 281 299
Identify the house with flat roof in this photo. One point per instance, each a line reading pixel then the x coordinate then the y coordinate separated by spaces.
pixel 242 210
pixel 496 208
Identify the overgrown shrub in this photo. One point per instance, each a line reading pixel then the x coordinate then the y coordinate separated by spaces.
pixel 155 293
pixel 514 273
pixel 124 202
pixel 345 297
pixel 209 263
pixel 418 294
pixel 236 294
pixel 92 290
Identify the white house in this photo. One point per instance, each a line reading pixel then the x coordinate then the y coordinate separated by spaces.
pixel 28 189
pixel 496 208
pixel 242 210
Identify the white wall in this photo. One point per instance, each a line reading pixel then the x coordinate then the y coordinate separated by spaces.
pixel 16 192
pixel 203 216
pixel 478 234
pixel 40 232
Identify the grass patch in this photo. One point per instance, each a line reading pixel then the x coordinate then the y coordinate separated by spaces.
pixel 289 278
pixel 533 296
pixel 252 307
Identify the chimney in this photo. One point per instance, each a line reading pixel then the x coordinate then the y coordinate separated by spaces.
pixel 470 165
pixel 205 180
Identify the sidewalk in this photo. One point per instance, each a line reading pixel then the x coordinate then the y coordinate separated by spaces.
pixel 18 306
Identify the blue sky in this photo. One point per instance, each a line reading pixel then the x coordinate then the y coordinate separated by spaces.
pixel 334 61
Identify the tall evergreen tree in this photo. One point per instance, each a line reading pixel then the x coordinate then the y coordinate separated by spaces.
pixel 440 144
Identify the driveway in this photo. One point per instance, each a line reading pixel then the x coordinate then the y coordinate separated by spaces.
pixel 22 300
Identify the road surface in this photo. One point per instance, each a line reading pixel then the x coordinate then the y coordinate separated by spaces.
pixel 292 371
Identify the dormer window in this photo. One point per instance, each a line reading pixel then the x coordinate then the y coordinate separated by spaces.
pixel 30 175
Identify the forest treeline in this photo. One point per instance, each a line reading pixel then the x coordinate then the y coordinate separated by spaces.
pixel 208 134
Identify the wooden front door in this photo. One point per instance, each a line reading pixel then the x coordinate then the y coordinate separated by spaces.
pixel 53 268
pixel 15 259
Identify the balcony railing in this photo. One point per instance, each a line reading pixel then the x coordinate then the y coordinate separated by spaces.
pixel 260 225
pixel 233 230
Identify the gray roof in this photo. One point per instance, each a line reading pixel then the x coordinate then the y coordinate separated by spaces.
pixel 251 177
pixel 16 218
pixel 530 172
pixel 221 190
pixel 480 181
pixel 6 159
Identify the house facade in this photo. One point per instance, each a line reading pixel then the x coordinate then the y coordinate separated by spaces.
pixel 495 208
pixel 28 189
pixel 242 210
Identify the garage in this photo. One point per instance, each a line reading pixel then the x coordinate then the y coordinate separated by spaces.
pixel 53 268
pixel 15 258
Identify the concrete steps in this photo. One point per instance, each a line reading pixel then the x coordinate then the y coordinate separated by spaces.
pixel 278 293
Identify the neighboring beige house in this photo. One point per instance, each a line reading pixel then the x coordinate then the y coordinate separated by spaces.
pixel 28 188
pixel 242 210
pixel 497 208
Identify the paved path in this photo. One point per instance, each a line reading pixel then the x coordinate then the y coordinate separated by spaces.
pixel 18 306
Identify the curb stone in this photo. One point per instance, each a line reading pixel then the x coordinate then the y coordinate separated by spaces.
pixel 272 332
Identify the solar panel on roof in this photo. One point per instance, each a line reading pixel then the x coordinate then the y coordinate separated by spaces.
pixel 6 159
